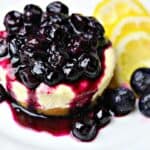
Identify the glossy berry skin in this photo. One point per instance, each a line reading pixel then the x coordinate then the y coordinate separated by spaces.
pixel 85 130
pixel 3 48
pixel 49 31
pixel 32 16
pixel 120 101
pixel 102 117
pixel 53 77
pixel 13 21
pixel 26 53
pixel 15 61
pixel 3 94
pixel 55 58
pixel 90 64
pixel 57 7
pixel 144 105
pixel 53 18
pixel 140 81
pixel 14 45
pixel 72 73
pixel 38 69
pixel 95 27
pixel 78 23
pixel 27 78
pixel 77 45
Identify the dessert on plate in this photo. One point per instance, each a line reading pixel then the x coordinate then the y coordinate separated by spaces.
pixel 52 62
pixel 54 69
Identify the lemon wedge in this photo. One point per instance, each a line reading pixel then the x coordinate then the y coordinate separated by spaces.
pixel 110 11
pixel 129 24
pixel 133 51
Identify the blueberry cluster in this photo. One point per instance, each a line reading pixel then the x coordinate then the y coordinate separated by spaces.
pixel 53 46
pixel 140 82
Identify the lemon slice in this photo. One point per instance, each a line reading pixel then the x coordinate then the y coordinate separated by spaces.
pixel 108 11
pixel 133 52
pixel 129 24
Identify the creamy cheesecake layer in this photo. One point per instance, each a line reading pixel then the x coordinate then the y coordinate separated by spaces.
pixel 58 100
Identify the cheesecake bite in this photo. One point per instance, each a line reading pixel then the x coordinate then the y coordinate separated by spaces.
pixel 52 62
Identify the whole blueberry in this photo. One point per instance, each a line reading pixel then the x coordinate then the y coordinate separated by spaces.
pixel 140 81
pixel 85 130
pixel 144 105
pixel 27 78
pixel 120 101
pixel 32 16
pixel 78 23
pixel 90 64
pixel 13 21
pixel 57 7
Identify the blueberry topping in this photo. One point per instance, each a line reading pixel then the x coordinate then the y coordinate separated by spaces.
pixel 144 105
pixel 22 32
pixel 53 77
pixel 3 48
pixel 49 31
pixel 26 53
pixel 39 69
pixel 71 71
pixel 3 94
pixel 95 27
pixel 14 45
pixel 140 81
pixel 52 46
pixel 85 130
pixel 90 64
pixel 77 46
pixel 13 21
pixel 62 36
pixel 102 117
pixel 32 14
pixel 15 61
pixel 56 59
pixel 52 19
pixel 57 7
pixel 27 78
pixel 78 22
pixel 33 42
pixel 120 101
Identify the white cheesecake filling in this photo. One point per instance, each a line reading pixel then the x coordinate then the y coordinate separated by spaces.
pixel 61 95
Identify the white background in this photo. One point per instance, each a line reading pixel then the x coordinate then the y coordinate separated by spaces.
pixel 127 133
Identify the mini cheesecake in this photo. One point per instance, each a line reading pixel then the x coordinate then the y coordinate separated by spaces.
pixel 52 62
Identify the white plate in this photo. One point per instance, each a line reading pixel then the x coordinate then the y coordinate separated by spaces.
pixel 126 133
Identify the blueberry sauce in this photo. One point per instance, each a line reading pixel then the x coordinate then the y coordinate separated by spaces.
pixel 56 126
